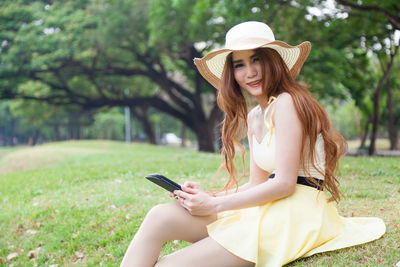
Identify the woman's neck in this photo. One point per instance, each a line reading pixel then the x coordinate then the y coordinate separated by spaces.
pixel 262 101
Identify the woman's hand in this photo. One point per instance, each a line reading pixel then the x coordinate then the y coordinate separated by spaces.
pixel 188 184
pixel 195 200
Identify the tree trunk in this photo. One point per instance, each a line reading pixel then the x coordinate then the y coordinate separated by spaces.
pixel 78 132
pixel 148 128
pixel 71 132
pixel 395 141
pixel 391 128
pixel 141 114
pixel 36 136
pixel 183 134
pixel 57 131
pixel 376 100
pixel 375 120
pixel 364 138
pixel 10 132
pixel 208 131
pixel 204 132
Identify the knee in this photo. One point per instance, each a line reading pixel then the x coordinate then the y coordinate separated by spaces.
pixel 162 216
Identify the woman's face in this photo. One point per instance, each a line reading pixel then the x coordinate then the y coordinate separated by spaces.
pixel 247 71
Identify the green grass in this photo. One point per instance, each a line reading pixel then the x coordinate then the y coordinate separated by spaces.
pixel 81 202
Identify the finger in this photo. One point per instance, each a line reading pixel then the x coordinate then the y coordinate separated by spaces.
pixel 185 204
pixel 185 207
pixel 189 190
pixel 182 194
pixel 177 200
pixel 192 184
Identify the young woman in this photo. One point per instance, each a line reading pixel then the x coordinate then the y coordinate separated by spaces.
pixel 282 213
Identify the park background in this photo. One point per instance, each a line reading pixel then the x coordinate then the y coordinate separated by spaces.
pixel 76 73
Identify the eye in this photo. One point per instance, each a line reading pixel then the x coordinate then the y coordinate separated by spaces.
pixel 237 65
pixel 256 59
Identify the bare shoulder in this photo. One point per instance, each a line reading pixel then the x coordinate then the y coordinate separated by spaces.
pixel 285 107
pixel 284 100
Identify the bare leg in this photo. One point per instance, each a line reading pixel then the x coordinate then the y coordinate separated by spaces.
pixel 164 222
pixel 206 252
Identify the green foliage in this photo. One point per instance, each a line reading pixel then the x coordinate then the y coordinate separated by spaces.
pixel 346 119
pixel 33 112
pixel 108 125
pixel 395 85
pixel 99 53
pixel 11 127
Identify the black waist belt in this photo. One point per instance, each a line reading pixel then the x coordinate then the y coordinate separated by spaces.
pixel 302 180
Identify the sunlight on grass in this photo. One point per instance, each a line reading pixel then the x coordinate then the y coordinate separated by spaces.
pixel 80 203
pixel 381 144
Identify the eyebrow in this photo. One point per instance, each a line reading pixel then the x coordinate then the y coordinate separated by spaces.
pixel 240 60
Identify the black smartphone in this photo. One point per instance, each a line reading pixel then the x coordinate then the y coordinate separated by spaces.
pixel 164 182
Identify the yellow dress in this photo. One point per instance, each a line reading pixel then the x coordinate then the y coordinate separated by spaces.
pixel 300 225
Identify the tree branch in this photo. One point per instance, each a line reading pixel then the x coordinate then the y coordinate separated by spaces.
pixel 155 102
pixel 161 75
pixel 163 79
pixel 393 19
pixel 74 96
pixel 54 99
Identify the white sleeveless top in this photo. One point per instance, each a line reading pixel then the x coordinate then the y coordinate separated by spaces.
pixel 264 152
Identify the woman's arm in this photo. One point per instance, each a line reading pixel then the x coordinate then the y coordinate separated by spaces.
pixel 288 136
pixel 241 188
pixel 257 175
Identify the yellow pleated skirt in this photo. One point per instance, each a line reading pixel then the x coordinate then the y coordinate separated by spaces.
pixel 298 226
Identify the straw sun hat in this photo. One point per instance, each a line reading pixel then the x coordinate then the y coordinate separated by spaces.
pixel 250 35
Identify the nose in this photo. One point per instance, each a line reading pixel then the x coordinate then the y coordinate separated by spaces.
pixel 251 71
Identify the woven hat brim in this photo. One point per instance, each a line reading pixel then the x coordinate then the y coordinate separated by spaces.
pixel 211 65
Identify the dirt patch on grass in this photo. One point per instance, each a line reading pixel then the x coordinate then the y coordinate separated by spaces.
pixel 35 157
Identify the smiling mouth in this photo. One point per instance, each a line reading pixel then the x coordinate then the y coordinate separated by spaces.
pixel 254 83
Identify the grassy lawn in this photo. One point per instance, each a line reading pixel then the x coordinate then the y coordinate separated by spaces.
pixel 80 203
pixel 381 144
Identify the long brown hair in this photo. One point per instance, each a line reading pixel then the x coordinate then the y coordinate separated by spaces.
pixel 314 119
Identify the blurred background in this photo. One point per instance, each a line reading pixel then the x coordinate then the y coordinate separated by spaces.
pixel 123 69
